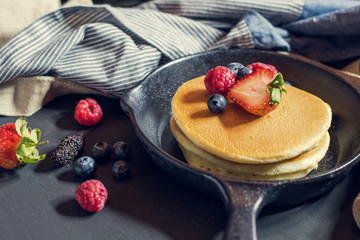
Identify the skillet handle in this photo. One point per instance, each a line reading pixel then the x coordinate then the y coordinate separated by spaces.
pixel 244 202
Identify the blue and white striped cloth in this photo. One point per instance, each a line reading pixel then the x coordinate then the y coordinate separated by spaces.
pixel 113 49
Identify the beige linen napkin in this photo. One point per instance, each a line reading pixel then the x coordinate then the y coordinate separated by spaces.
pixel 26 95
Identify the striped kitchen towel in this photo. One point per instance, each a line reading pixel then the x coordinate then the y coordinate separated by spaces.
pixel 113 49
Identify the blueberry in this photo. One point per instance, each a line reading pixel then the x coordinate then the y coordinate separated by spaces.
pixel 84 167
pixel 101 152
pixel 235 67
pixel 121 169
pixel 216 103
pixel 243 72
pixel 120 150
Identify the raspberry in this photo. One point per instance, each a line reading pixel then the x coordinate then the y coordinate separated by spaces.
pixel 259 65
pixel 208 81
pixel 88 112
pixel 91 195
pixel 219 80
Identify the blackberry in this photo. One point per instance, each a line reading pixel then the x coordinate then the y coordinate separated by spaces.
pixel 76 142
pixel 67 150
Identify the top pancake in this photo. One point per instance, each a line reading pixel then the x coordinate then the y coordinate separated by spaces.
pixel 294 127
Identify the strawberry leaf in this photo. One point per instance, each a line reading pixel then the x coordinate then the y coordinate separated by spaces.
pixel 28 142
pixel 275 96
pixel 276 88
pixel 35 135
pixel 26 151
pixel 34 157
pixel 21 151
pixel 20 125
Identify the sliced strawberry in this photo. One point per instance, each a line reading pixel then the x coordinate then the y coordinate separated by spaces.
pixel 258 92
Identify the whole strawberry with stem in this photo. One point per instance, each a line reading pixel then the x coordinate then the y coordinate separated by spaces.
pixel 18 144
pixel 259 92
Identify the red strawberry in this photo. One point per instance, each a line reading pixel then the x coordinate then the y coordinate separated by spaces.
pixel 258 92
pixel 17 144
pixel 219 80
pixel 259 65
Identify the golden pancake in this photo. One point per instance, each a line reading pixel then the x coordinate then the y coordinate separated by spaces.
pixel 295 167
pixel 294 127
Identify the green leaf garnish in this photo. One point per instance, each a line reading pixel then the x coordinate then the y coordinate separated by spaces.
pixel 275 95
pixel 276 88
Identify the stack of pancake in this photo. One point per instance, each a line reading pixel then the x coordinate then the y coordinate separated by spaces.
pixel 286 143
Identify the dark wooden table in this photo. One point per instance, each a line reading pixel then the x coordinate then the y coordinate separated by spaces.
pixel 37 201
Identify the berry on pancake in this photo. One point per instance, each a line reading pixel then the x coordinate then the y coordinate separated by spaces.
pixel 259 65
pixel 219 80
pixel 258 92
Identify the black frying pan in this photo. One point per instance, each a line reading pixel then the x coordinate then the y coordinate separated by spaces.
pixel 149 108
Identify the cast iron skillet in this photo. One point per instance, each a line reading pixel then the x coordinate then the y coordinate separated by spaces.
pixel 149 109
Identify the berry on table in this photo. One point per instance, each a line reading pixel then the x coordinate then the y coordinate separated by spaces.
pixel 67 150
pixel 88 112
pixel 121 169
pixel 120 150
pixel 62 155
pixel 18 144
pixel 76 142
pixel 216 103
pixel 219 80
pixel 101 151
pixel 84 167
pixel 91 195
